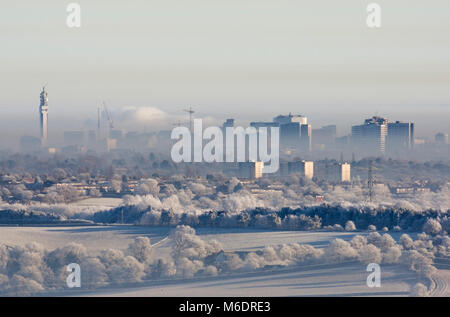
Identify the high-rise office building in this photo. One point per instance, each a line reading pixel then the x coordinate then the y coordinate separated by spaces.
pixel 290 134
pixel 306 138
pixel 290 129
pixel 43 113
pixel 370 137
pixel 290 118
pixel 400 136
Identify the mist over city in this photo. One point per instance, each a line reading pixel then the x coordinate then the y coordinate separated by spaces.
pixel 160 150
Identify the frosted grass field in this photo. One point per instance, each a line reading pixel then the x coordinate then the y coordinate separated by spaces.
pixel 317 280
pixel 94 238
pixel 119 236
pixel 347 279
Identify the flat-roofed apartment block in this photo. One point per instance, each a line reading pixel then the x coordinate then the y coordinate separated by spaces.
pixel 305 168
pixel 333 171
pixel 251 170
pixel 344 172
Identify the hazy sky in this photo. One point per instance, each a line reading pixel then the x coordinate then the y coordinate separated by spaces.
pixel 237 58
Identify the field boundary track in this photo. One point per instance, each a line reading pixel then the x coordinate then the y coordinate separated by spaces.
pixel 438 286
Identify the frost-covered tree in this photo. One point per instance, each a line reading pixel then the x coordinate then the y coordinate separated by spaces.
pixel 339 250
pixel 406 241
pixel 419 290
pixel 350 226
pixel 141 249
pixel 392 255
pixel 369 254
pixel 432 226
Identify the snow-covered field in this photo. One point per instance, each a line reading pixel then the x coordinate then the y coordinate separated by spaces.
pixel 347 279
pixel 119 236
pixel 251 240
pixel 314 280
pixel 94 238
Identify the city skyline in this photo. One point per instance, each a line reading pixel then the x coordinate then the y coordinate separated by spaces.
pixel 174 120
pixel 377 135
pixel 319 59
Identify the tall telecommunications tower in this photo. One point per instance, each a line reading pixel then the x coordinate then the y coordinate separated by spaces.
pixel 43 109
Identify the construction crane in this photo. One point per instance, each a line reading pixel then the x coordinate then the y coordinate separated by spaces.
pixel 191 112
pixel 111 124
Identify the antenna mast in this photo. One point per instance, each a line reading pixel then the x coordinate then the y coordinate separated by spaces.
pixel 190 111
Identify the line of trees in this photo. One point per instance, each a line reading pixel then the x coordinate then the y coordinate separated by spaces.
pixel 309 218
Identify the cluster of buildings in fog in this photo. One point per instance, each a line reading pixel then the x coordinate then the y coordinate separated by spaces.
pixel 311 155
pixel 376 136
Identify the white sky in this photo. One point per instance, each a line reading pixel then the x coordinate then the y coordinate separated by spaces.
pixel 247 59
